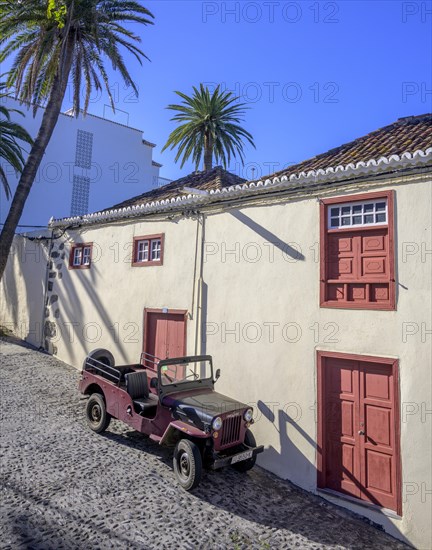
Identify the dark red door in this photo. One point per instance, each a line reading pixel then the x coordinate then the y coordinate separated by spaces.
pixel 164 335
pixel 341 419
pixel 359 432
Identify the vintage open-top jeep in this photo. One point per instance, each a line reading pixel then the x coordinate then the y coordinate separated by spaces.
pixel 173 402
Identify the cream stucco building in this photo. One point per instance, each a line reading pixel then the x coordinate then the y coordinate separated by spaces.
pixel 311 289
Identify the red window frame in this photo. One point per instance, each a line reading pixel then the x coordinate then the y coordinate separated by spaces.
pixel 149 239
pixel 80 246
pixel 349 286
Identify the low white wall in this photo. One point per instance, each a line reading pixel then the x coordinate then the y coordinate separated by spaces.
pixel 22 289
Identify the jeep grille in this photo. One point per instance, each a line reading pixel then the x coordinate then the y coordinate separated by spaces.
pixel 231 430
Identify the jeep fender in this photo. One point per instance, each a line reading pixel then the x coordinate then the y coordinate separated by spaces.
pixel 93 388
pixel 178 429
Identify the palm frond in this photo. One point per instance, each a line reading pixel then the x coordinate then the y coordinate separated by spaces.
pixel 98 32
pixel 209 123
pixel 11 152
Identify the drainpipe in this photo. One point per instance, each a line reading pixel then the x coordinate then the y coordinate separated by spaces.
pixel 198 319
pixel 45 305
pixel 194 279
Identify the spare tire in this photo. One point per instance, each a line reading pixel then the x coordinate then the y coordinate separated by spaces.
pixel 102 355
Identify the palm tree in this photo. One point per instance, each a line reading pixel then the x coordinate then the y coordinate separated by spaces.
pixel 210 128
pixel 54 41
pixel 10 149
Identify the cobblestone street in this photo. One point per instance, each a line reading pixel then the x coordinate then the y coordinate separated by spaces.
pixel 64 486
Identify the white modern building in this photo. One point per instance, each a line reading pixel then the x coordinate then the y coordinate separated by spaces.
pixel 90 163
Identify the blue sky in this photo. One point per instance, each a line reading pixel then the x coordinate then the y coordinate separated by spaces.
pixel 314 74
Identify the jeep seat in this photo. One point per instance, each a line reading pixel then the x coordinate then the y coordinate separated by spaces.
pixel 137 388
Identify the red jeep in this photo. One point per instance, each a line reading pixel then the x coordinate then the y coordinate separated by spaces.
pixel 174 402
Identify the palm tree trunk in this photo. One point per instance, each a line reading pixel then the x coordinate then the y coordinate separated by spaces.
pixel 208 152
pixel 49 121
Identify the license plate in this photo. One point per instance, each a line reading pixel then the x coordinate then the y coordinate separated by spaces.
pixel 242 456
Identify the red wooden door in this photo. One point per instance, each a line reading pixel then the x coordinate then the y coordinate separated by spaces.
pixel 378 445
pixel 341 420
pixel 164 334
pixel 359 434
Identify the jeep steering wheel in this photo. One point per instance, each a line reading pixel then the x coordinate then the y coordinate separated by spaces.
pixel 194 374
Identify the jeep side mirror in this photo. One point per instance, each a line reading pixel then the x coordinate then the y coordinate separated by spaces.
pixel 154 383
pixel 217 374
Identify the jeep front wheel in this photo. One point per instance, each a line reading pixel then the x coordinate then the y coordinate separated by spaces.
pixel 187 464
pixel 97 417
pixel 248 464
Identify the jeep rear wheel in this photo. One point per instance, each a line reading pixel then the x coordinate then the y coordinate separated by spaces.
pixel 187 464
pixel 97 417
pixel 248 464
pixel 102 355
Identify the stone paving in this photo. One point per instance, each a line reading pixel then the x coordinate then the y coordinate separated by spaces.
pixel 63 486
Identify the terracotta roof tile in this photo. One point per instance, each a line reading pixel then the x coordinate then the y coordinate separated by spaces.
pixel 217 178
pixel 406 134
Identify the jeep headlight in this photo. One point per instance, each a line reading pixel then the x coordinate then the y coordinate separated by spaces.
pixel 217 423
pixel 248 415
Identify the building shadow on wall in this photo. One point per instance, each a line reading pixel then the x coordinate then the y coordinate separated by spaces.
pixel 11 291
pixel 72 310
pixel 24 287
pixel 268 236
pixel 294 457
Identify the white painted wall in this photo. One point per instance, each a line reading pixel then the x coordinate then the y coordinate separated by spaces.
pixel 121 165
pixel 104 306
pixel 264 324
pixel 22 289
pixel 247 298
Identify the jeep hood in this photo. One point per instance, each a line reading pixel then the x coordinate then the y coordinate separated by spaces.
pixel 201 408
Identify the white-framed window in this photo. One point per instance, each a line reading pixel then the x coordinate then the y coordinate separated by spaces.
pixel 148 250
pixel 80 256
pixel 77 256
pixel 155 250
pixel 142 251
pixel 357 214
pixel 86 255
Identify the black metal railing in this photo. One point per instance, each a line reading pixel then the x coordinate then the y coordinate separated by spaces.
pixel 106 370
pixel 149 358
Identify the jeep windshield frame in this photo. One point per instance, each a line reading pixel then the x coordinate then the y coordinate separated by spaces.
pixel 198 377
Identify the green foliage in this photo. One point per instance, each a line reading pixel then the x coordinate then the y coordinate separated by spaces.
pixel 210 124
pixel 37 34
pixel 57 12
pixel 5 332
pixel 11 134
pixel 51 46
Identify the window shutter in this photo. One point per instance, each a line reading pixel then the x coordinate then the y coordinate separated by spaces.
pixel 357 264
